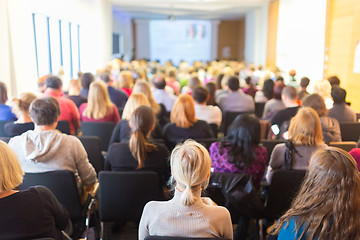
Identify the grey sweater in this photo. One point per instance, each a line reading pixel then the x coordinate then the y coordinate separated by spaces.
pixel 171 218
pixel 43 151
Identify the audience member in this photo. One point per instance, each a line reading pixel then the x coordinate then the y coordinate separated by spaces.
pixel 236 100
pixel 68 109
pixel 327 204
pixel 211 87
pixel 187 214
pixel 330 126
pixel 99 107
pixel 250 88
pixel 143 87
pixel 207 113
pixel 340 110
pixel 304 83
pixel 355 153
pixel 20 106
pixel 292 80
pixel 74 93
pixel 223 90
pixel 126 82
pixel 275 104
pixel 239 151
pixel 29 214
pixel 160 95
pixel 118 97
pixel 46 149
pixel 323 88
pixel 266 93
pixel 192 83
pixel 171 80
pixel 305 138
pixel 86 79
pixel 140 152
pixel 5 110
pixel 334 81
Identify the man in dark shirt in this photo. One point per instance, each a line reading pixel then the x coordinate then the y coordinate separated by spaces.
pixel 118 97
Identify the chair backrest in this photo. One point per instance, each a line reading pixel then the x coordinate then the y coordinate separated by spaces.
pixel 214 128
pixel 2 130
pixel 123 195
pixel 259 109
pixel 269 144
pixel 346 145
pixel 64 127
pixel 283 188
pixel 103 130
pixel 5 139
pixel 350 131
pixel 62 184
pixel 228 118
pixel 180 238
pixel 92 145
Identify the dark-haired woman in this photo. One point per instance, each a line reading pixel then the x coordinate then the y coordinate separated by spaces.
pixel 139 152
pixel 239 151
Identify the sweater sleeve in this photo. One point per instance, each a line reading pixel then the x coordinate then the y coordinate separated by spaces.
pixel 226 224
pixel 144 224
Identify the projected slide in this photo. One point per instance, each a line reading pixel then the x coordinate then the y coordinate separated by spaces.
pixel 180 40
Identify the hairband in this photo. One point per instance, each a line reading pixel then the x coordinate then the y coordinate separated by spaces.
pixel 188 187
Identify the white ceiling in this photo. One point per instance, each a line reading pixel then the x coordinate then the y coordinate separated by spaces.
pixel 187 9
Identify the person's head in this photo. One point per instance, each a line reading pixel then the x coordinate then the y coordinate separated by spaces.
pixel 183 112
pixel 211 87
pixel 248 80
pixel 289 95
pixel 278 88
pixel 86 79
pixel 190 167
pixel 334 81
pixel 194 82
pixel 316 102
pixel 21 105
pixel 143 87
pixel 304 82
pixel 142 122
pixel 74 87
pixel 53 83
pixel 328 202
pixel 279 79
pixel 268 88
pixel 3 93
pixel 234 83
pixel 126 79
pixel 338 94
pixel 323 88
pixel 243 136
pixel 159 82
pixel 171 72
pixel 104 76
pixel 219 80
pixel 11 174
pixel 200 94
pixel 44 111
pixel 305 128
pixel 135 100
pixel 99 104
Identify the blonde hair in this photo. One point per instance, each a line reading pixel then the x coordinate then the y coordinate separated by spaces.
pixel 11 174
pixel 183 112
pixel 328 202
pixel 126 80
pixel 135 100
pixel 323 88
pixel 143 87
pixel 190 165
pixel 99 104
pixel 305 128
pixel 21 105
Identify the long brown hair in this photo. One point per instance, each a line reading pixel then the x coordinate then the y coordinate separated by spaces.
pixel 142 121
pixel 328 202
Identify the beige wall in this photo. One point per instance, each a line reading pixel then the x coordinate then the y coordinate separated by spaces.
pixel 272 34
pixel 231 34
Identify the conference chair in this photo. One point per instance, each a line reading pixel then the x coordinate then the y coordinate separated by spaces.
pixel 259 109
pixel 181 238
pixel 64 127
pixel 2 131
pixel 346 145
pixel 92 145
pixel 228 118
pixel 269 144
pixel 214 128
pixel 123 195
pixel 103 130
pixel 350 131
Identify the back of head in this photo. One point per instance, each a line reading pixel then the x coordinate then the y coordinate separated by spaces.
pixel 305 128
pixel 190 165
pixel 234 83
pixel 171 72
pixel 3 93
pixel 304 82
pixel 104 76
pixel 279 79
pixel 334 81
pixel 86 79
pixel 194 82
pixel 126 79
pixel 143 87
pixel 316 102
pixel 248 80
pixel 278 88
pixel 44 111
pixel 323 88
pixel 159 82
pixel 289 92
pixel 338 94
pixel 53 82
pixel 11 174
pixel 200 94
pixel 135 100
pixel 99 104
pixel 268 88
pixel 183 112
pixel 21 105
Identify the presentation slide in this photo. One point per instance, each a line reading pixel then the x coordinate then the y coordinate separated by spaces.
pixel 188 40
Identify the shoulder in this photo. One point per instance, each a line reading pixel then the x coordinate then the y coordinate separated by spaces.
pixel 201 123
pixel 218 213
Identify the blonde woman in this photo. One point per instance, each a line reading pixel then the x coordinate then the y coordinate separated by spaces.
pixel 184 124
pixel 305 137
pixel 20 106
pixel 28 214
pixel 328 203
pixel 126 82
pixel 99 108
pixel 187 214
pixel 143 87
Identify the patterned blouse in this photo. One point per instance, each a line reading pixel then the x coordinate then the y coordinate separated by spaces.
pixel 220 162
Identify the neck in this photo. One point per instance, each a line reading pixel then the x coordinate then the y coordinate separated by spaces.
pixel 7 193
pixel 291 104
pixel 24 118
pixel 41 128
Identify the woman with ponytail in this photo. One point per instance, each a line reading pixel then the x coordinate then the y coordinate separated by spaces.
pixel 187 214
pixel 139 152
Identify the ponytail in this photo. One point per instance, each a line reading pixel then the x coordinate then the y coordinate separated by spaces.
pixel 187 197
pixel 138 147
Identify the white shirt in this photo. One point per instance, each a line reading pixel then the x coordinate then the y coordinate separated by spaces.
pixel 208 113
pixel 161 96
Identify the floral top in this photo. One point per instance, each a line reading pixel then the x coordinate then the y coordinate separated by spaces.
pixel 220 162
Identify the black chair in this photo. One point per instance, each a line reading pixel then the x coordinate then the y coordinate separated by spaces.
pixel 283 188
pixel 2 130
pixel 180 238
pixel 5 139
pixel 269 144
pixel 64 127
pixel 228 118
pixel 92 145
pixel 350 131
pixel 259 109
pixel 103 130
pixel 346 145
pixel 214 128
pixel 123 195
